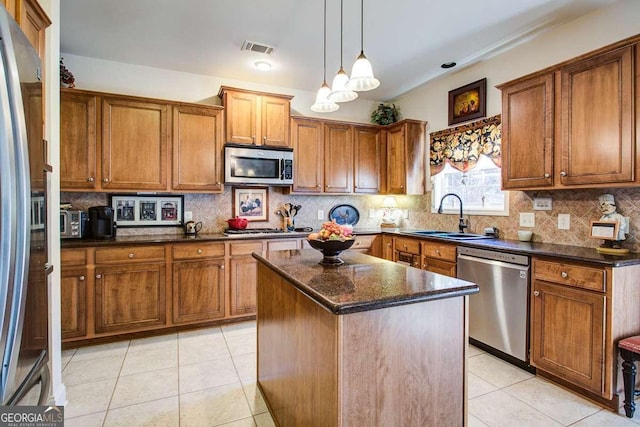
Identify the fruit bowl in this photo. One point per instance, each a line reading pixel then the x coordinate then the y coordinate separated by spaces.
pixel 331 249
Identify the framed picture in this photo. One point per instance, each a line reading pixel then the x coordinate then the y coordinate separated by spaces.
pixel 147 211
pixel 468 102
pixel 251 203
pixel 606 230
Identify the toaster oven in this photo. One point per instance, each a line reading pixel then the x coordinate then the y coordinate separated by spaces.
pixel 72 224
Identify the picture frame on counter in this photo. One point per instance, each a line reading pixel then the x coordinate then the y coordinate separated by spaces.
pixel 468 102
pixel 148 211
pixel 251 203
pixel 606 230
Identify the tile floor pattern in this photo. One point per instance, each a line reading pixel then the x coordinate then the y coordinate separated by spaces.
pixel 207 378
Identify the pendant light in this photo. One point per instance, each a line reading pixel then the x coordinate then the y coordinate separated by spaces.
pixel 339 93
pixel 362 73
pixel 322 104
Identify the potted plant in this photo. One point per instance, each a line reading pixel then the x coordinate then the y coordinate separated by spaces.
pixel 385 114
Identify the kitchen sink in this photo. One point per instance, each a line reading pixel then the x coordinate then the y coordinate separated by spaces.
pixel 447 234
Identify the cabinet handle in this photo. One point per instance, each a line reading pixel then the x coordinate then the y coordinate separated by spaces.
pixel 90 179
pixel 199 251
pixel 438 251
pixel 98 276
pixel 222 267
pixel 328 186
pixel 81 278
pixel 253 139
pixel 563 173
pixel 105 180
pixel 405 246
pixel 218 183
pixel 564 274
pixel 536 293
pixel 424 266
pixel 131 255
pixel 264 139
pixel 546 175
pixel 389 244
pixel 402 186
pixel 318 186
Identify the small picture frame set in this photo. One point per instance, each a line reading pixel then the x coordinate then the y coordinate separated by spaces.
pixel 148 211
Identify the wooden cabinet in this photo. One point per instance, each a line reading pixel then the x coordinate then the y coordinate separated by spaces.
pixel 255 117
pixel 75 280
pixel 405 157
pixel 387 248
pixel 33 108
pixel 78 140
pixel 197 148
pixel 135 140
pixel 32 20
pixel 439 258
pixel 198 285
pixel 368 149
pixel 130 287
pixel 242 277
pixel 572 125
pixel 338 158
pixel 364 244
pixel 307 137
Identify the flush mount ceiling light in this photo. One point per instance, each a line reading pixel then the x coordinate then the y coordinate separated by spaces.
pixel 262 65
pixel 362 78
pixel 448 65
pixel 322 104
pixel 339 93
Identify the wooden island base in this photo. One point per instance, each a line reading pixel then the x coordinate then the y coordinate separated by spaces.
pixel 403 365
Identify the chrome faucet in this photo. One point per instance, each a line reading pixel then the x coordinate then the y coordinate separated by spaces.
pixel 462 224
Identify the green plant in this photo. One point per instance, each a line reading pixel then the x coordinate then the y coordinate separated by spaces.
pixel 385 114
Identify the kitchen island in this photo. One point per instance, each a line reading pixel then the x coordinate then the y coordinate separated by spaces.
pixel 370 342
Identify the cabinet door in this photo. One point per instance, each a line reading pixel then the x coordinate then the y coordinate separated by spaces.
pixel 134 144
pixel 32 101
pixel 396 160
pixel 78 141
pixel 308 155
pixel 33 22
pixel 243 279
pixel 274 113
pixel 338 158
pixel 445 268
pixel 198 290
pixel 129 297
pixel 367 154
pixel 197 149
pixel 597 119
pixel 284 244
pixel 387 247
pixel 568 327
pixel 527 133
pixel 73 302
pixel 241 117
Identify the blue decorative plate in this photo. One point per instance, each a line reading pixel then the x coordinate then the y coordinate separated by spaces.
pixel 344 214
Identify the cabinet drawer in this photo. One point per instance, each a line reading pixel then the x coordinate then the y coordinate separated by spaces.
pixel 439 251
pixel 73 257
pixel 131 254
pixel 245 248
pixel 570 274
pixel 204 250
pixel 363 242
pixel 281 245
pixel 407 245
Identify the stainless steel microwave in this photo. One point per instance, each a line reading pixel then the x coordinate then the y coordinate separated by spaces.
pixel 72 224
pixel 259 165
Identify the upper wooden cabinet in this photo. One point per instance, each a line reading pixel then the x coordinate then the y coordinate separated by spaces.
pixel 256 118
pixel 307 136
pixel 405 157
pixel 368 147
pixel 197 148
pixel 32 20
pixel 573 125
pixel 338 158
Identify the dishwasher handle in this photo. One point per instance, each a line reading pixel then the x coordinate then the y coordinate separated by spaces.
pixel 493 262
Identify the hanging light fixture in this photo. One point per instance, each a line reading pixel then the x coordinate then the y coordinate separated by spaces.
pixel 362 73
pixel 339 93
pixel 322 104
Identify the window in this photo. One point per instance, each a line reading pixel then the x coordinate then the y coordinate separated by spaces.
pixel 479 189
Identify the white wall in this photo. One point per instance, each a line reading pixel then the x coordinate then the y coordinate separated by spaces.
pixel 592 31
pixel 117 77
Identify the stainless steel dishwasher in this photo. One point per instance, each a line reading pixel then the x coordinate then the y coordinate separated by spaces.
pixel 498 313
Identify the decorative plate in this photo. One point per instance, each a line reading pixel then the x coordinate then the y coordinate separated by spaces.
pixel 344 214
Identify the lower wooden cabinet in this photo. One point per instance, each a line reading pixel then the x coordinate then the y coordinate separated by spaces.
pixel 439 258
pixel 242 277
pixel 198 290
pixel 73 301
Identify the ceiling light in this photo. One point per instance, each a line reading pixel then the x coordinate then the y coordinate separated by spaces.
pixel 448 65
pixel 322 104
pixel 362 78
pixel 262 65
pixel 339 93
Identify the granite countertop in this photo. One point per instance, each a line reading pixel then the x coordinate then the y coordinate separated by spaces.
pixel 363 282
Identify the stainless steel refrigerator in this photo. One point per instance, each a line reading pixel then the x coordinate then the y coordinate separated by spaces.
pixel 23 241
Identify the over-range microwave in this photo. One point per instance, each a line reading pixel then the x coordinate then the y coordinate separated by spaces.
pixel 258 165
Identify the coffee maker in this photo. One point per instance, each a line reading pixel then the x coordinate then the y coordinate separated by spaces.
pixel 101 223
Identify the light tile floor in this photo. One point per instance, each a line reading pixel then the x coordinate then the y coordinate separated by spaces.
pixel 207 378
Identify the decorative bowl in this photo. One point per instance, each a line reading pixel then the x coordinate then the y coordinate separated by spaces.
pixel 331 249
pixel 237 223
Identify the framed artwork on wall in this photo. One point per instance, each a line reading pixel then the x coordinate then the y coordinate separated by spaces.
pixel 468 102
pixel 147 211
pixel 251 203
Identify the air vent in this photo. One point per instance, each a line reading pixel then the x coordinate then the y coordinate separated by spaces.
pixel 256 47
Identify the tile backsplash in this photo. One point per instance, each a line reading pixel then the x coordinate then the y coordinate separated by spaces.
pixel 582 206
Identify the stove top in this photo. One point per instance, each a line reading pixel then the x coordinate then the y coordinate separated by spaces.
pixel 229 231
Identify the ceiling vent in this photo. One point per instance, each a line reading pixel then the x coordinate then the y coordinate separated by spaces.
pixel 256 47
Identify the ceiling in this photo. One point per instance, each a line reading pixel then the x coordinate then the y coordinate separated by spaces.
pixel 406 40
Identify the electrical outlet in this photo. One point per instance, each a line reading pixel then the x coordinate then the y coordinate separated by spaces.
pixel 564 221
pixel 527 219
pixel 320 214
pixel 542 204
pixel 372 213
pixel 405 213
pixel 188 215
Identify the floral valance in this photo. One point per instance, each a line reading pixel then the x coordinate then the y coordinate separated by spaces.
pixel 461 146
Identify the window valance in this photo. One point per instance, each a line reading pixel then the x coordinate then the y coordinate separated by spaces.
pixel 461 146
